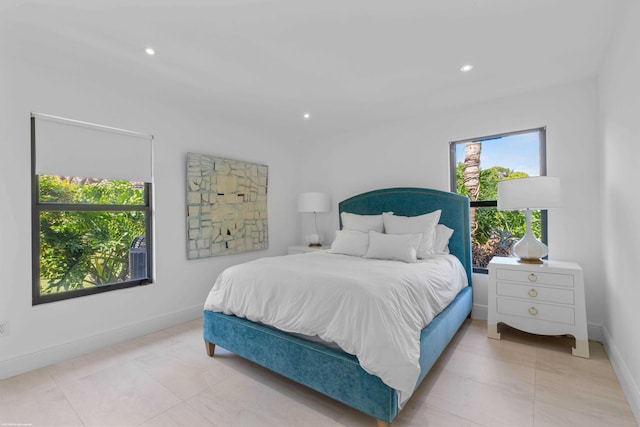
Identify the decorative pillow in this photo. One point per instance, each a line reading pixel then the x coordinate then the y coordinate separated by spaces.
pixel 443 234
pixel 400 247
pixel 362 223
pixel 349 242
pixel 424 224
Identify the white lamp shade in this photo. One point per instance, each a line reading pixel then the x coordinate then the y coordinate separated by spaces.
pixel 314 202
pixel 538 192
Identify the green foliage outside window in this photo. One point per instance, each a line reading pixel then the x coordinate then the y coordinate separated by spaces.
pixel 495 230
pixel 86 248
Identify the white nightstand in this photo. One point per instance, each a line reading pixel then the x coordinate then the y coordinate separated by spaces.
pixel 545 299
pixel 301 249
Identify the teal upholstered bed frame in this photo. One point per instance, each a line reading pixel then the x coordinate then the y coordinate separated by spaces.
pixel 333 372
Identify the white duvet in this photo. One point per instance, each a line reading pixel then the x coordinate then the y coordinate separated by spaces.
pixel 374 309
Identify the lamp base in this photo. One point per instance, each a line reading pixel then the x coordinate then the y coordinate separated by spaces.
pixel 530 261
pixel 529 250
pixel 314 240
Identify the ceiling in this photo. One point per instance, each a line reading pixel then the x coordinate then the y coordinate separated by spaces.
pixel 350 64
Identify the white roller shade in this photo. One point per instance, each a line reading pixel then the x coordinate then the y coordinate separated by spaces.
pixel 73 148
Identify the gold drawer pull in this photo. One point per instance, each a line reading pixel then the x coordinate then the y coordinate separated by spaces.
pixel 533 311
pixel 533 293
pixel 533 277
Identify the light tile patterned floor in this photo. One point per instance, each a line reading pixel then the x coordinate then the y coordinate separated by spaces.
pixel 166 379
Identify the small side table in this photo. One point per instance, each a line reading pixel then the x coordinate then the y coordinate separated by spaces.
pixel 545 299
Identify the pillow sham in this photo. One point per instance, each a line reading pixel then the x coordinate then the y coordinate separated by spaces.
pixel 443 234
pixel 349 242
pixel 423 224
pixel 399 247
pixel 362 223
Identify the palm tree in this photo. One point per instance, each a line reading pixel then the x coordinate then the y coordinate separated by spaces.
pixel 471 176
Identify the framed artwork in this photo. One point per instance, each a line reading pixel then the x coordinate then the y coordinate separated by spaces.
pixel 226 206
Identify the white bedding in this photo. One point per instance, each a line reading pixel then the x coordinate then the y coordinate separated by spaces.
pixel 374 309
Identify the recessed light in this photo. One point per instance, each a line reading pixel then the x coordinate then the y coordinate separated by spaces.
pixel 149 51
pixel 466 68
pixel 306 116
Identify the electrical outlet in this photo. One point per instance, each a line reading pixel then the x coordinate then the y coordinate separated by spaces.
pixel 4 328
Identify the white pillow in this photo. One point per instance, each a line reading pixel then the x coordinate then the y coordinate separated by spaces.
pixel 362 223
pixel 401 247
pixel 443 234
pixel 424 224
pixel 349 242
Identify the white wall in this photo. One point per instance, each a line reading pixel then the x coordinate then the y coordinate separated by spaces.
pixel 620 114
pixel 416 153
pixel 49 332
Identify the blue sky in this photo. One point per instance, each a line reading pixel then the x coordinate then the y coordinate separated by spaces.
pixel 517 152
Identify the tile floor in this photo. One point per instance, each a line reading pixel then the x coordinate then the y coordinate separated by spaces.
pixel 166 379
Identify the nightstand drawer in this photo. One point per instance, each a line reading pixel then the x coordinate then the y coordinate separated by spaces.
pixel 536 277
pixel 535 293
pixel 537 311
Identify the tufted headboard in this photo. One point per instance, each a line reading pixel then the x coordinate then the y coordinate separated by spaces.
pixel 418 201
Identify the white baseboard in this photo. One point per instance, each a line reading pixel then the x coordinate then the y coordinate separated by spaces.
pixel 48 356
pixel 629 387
pixel 595 332
pixel 479 312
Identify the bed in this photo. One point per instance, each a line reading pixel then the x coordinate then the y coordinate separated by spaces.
pixel 329 370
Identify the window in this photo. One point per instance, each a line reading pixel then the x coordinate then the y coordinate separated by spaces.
pixel 477 165
pixel 91 215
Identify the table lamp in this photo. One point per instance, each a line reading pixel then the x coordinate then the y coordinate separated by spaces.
pixel 527 194
pixel 314 203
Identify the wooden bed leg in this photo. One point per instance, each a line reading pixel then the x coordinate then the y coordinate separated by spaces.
pixel 211 348
pixel 383 424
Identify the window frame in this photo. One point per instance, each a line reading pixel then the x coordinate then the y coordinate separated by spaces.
pixel 36 209
pixel 542 141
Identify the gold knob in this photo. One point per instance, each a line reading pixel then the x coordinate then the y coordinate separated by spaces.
pixel 533 293
pixel 533 277
pixel 533 311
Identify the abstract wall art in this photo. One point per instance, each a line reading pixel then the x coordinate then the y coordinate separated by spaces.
pixel 226 206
